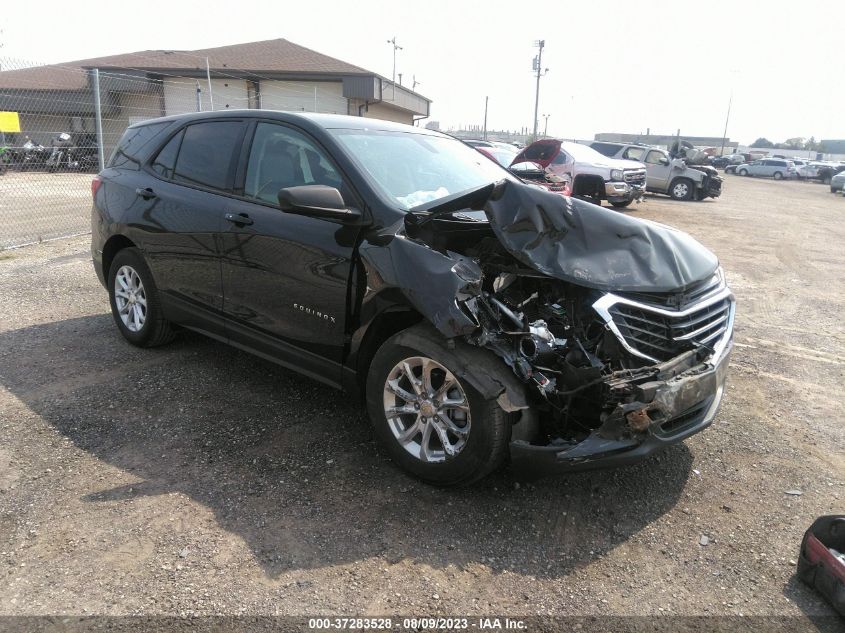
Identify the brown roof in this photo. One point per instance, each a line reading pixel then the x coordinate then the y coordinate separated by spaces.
pixel 268 56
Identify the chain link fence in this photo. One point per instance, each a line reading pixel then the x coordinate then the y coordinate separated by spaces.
pixel 60 123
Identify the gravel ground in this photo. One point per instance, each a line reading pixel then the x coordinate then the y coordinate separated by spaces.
pixel 196 479
pixel 38 206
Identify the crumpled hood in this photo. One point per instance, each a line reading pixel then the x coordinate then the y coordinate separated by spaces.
pixel 585 244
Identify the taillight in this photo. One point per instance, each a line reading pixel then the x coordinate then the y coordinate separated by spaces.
pixel 96 183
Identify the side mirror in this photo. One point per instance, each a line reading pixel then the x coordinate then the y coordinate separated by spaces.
pixel 664 161
pixel 317 201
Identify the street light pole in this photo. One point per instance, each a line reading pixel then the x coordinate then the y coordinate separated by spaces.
pixel 546 126
pixel 485 118
pixel 396 47
pixel 539 68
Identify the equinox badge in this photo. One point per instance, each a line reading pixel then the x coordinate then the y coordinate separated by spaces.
pixel 316 313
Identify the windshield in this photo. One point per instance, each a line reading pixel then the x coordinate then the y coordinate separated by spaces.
pixel 412 169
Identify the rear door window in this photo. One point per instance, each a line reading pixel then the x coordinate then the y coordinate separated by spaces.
pixel 207 154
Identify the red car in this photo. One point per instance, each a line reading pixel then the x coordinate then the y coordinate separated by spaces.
pixel 527 171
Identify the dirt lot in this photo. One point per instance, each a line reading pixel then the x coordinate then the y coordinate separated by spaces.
pixel 196 479
pixel 36 206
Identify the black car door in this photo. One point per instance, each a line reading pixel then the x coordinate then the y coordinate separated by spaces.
pixel 285 276
pixel 182 223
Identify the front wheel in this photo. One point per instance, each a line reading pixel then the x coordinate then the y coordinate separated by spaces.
pixel 743 172
pixel 430 420
pixel 682 189
pixel 135 303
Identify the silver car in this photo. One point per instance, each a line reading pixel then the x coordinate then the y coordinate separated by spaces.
pixel 777 168
pixel 837 183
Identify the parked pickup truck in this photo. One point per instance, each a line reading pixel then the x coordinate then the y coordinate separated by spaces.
pixel 479 317
pixel 682 174
pixel 593 176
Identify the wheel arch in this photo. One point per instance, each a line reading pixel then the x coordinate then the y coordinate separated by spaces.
pixel 586 184
pixel 112 247
pixel 367 340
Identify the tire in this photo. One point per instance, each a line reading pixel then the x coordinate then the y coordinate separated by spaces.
pixel 482 449
pixel 743 172
pixel 777 175
pixel 682 189
pixel 621 205
pixel 832 190
pixel 826 179
pixel 145 325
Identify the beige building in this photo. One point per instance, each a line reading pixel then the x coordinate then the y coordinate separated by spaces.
pixel 273 74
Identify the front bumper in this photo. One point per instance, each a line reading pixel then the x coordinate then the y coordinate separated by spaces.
pixel 682 399
pixel 712 186
pixel 617 191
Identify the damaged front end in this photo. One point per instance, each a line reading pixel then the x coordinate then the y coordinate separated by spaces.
pixel 618 330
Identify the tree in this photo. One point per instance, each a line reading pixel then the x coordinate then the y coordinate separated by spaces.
pixel 762 142
pixel 796 142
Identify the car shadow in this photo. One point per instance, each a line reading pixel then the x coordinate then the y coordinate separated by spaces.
pixel 291 467
pixel 813 605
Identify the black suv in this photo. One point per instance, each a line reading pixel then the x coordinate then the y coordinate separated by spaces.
pixel 479 316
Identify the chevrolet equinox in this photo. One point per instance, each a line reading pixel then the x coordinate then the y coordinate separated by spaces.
pixel 481 318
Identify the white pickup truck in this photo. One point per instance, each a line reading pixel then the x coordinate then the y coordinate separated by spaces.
pixel 593 176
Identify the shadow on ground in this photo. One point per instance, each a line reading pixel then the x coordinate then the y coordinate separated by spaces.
pixel 290 466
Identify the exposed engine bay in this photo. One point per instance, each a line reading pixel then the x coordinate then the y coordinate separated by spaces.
pixel 610 322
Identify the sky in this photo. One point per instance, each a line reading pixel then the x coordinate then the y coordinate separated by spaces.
pixel 613 66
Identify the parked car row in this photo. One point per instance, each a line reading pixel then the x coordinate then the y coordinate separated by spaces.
pixel 614 172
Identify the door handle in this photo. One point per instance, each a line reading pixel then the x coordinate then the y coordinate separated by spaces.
pixel 238 218
pixel 146 194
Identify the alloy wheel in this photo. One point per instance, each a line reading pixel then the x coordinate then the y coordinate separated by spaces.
pixel 427 409
pixel 680 190
pixel 130 298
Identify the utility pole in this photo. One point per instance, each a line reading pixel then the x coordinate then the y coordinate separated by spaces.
pixel 727 118
pixel 396 47
pixel 546 126
pixel 485 117
pixel 415 83
pixel 538 66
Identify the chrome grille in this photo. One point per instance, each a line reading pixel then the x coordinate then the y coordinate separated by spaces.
pixel 635 176
pixel 665 337
pixel 659 333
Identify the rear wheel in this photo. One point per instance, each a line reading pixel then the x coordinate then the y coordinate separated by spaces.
pixel 431 421
pixel 134 300
pixel 777 175
pixel 682 189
